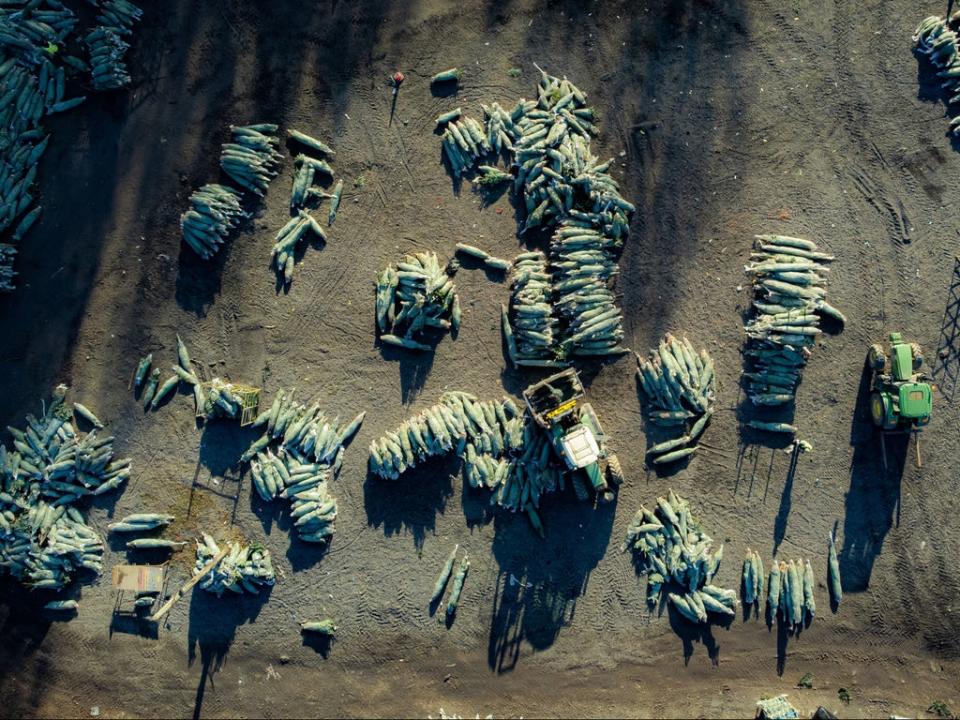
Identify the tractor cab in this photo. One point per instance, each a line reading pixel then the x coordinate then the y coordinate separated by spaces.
pixel 579 448
pixel 573 427
pixel 902 356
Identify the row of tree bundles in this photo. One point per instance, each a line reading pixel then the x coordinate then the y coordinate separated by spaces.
pixel 299 452
pixel 530 327
pixel 563 307
pixel 679 386
pixel 562 183
pixel 448 426
pixel 106 45
pixel 936 38
pixel 675 554
pixel 251 160
pixel 245 568
pixel 214 399
pixel 33 77
pixel 456 588
pixel 789 281
pixel 414 300
pixel 44 538
pixel 790 587
pixel 503 451
pixel 583 261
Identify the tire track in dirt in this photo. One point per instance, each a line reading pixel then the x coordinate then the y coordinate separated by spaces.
pixel 893 611
pixel 894 216
pixel 868 170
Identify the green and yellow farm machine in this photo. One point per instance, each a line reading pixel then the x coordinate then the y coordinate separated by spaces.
pixel 901 398
pixel 575 433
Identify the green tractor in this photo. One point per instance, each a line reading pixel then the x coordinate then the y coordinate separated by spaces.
pixel 575 433
pixel 901 399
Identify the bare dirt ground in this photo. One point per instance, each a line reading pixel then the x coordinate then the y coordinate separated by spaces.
pixel 726 119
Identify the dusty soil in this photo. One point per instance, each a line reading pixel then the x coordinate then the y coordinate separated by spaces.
pixel 726 119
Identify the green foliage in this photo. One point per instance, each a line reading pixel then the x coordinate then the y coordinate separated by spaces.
pixel 844 695
pixel 491 179
pixel 359 182
pixel 514 72
pixel 939 709
pixel 806 681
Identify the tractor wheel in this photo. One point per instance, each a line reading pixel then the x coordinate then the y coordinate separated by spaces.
pixel 881 411
pixel 877 358
pixel 579 483
pixel 917 356
pixel 614 471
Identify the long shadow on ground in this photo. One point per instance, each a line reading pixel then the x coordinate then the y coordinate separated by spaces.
pixel 539 581
pixel 873 500
pixel 213 626
pixel 411 503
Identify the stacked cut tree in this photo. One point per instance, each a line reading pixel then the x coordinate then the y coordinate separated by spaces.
pixel 789 282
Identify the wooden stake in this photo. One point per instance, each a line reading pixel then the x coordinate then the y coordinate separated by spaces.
pixel 919 462
pixel 207 569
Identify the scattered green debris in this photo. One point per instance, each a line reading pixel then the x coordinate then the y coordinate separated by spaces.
pixel 451 75
pixel 320 627
pixel 491 177
pixel 940 709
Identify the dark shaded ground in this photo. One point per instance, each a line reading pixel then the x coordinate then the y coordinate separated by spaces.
pixel 725 119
